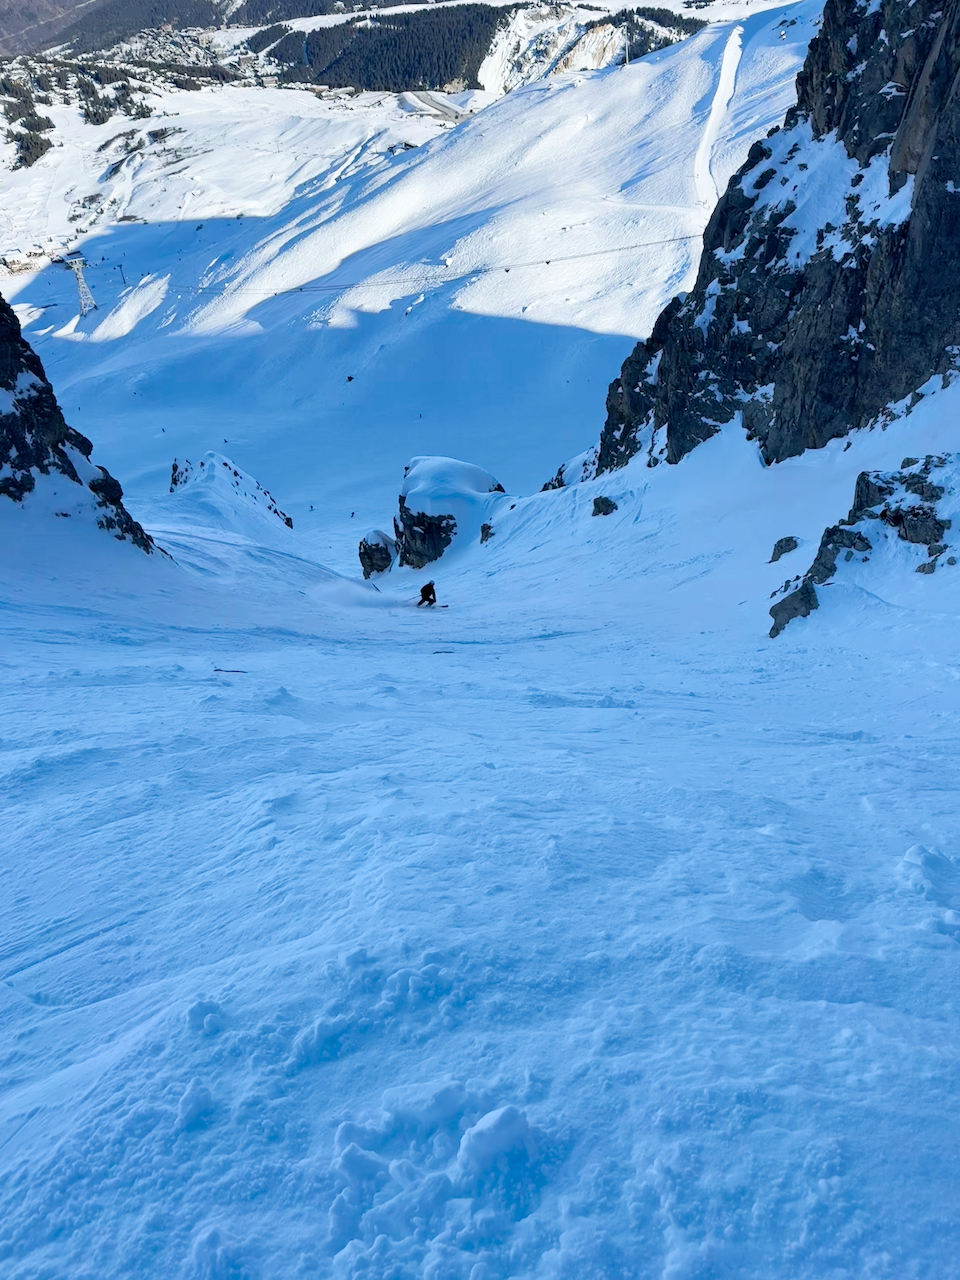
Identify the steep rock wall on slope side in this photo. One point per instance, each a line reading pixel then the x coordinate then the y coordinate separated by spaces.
pixel 35 441
pixel 827 289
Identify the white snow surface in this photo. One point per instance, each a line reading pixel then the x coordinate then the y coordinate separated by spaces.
pixel 575 930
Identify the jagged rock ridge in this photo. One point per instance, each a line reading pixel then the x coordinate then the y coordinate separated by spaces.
pixel 827 287
pixel 35 440
pixel 214 467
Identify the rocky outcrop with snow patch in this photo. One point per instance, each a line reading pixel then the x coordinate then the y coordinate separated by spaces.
pixel 543 40
pixel 377 552
pixel 441 499
pixel 41 458
pixel 831 266
pixel 916 506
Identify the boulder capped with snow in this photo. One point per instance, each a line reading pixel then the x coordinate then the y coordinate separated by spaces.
pixel 44 463
pixel 214 492
pixel 441 499
pixel 377 552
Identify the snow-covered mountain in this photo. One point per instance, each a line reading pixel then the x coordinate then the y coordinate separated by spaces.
pixel 366 282
pixel 575 929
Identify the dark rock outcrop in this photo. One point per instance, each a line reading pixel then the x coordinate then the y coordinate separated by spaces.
pixel 422 538
pixel 35 440
pixel 603 506
pixel 817 307
pixel 783 547
pixel 888 499
pixel 377 552
pixel 799 604
pixel 442 498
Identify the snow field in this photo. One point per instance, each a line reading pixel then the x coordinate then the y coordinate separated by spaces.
pixel 577 930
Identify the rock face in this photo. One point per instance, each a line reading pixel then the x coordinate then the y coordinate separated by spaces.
pixel 36 442
pixel 421 537
pixel 905 505
pixel 783 547
pixel 831 266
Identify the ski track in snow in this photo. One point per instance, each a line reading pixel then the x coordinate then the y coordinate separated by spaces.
pixel 706 185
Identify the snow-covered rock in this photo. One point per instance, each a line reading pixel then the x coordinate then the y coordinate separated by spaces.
pixel 219 495
pixel 441 499
pixel 377 552
pixel 899 519
pixel 535 41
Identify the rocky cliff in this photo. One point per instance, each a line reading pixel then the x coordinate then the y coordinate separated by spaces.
pixel 827 290
pixel 36 443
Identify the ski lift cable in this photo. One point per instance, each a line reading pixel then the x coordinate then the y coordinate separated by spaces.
pixel 419 281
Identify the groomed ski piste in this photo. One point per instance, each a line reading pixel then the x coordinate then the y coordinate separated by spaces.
pixel 577 930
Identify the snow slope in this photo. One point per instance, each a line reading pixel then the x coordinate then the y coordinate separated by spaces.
pixel 578 930
pixel 584 186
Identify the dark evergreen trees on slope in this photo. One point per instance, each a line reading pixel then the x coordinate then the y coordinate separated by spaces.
pixel 20 109
pixel 261 40
pixel 421 50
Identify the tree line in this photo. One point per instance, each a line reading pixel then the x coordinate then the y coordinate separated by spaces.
pixel 394 52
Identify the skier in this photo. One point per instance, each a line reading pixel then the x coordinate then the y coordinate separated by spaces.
pixel 427 595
